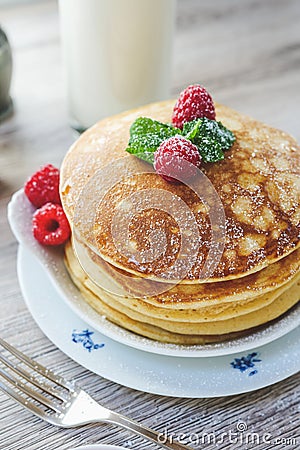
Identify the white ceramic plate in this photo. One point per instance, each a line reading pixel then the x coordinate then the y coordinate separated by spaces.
pixel 20 216
pixel 145 371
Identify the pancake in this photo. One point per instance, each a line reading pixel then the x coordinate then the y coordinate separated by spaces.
pixel 258 183
pixel 140 245
pixel 194 314
pixel 190 296
pixel 186 333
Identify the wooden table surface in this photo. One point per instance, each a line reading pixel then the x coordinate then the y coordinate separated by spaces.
pixel 248 55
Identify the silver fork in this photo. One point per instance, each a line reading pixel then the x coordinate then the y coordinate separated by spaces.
pixel 61 402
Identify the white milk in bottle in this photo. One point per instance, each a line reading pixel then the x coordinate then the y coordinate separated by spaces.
pixel 117 55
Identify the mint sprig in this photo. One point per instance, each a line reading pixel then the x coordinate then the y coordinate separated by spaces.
pixel 146 135
pixel 212 138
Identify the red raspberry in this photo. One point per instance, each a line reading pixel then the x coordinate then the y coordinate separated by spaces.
pixel 193 103
pixel 43 187
pixel 178 157
pixel 50 225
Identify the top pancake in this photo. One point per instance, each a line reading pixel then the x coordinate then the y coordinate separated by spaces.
pixel 258 183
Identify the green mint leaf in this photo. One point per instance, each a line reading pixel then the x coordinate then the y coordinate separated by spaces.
pixel 212 138
pixel 146 135
pixel 190 129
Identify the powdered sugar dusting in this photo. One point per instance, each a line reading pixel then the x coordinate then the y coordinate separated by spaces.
pixel 20 212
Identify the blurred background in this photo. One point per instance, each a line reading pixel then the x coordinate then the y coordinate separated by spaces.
pixel 245 52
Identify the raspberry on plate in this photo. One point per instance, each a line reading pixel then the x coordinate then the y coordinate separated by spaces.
pixel 50 225
pixel 193 103
pixel 43 186
pixel 176 159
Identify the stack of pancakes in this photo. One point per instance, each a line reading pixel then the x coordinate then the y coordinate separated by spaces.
pixel 256 278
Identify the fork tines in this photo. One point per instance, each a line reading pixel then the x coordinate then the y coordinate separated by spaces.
pixel 30 383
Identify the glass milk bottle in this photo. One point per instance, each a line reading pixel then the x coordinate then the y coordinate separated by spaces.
pixel 117 55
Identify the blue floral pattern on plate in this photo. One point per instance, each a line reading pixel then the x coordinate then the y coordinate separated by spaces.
pixel 246 362
pixel 84 337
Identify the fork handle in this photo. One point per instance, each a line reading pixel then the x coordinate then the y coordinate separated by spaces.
pixel 158 438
